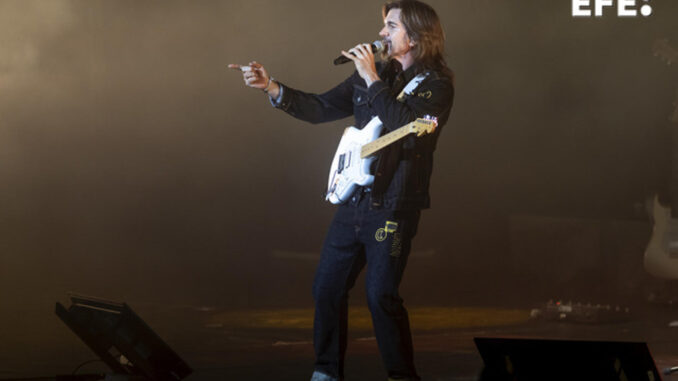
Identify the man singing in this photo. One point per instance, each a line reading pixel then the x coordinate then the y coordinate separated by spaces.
pixel 375 226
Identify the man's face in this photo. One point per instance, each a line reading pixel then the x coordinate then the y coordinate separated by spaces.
pixel 397 41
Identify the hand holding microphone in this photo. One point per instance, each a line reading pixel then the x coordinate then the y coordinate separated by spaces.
pixel 362 56
pixel 376 47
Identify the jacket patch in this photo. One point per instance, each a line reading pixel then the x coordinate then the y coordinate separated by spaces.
pixel 425 94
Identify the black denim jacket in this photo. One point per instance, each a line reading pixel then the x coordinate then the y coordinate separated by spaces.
pixel 403 169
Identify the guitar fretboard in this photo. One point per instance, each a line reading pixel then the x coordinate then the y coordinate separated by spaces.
pixel 372 147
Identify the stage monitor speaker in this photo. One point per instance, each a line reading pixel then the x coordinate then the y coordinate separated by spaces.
pixel 122 340
pixel 555 360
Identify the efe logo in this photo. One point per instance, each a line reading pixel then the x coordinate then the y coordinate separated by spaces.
pixel 625 8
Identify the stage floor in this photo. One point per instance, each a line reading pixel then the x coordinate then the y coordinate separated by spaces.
pixel 276 344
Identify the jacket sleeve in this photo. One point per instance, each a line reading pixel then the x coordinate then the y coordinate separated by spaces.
pixel 433 97
pixel 332 105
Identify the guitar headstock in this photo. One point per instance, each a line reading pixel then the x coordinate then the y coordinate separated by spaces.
pixel 425 125
pixel 662 49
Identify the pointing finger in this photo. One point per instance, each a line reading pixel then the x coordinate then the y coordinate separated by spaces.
pixel 242 68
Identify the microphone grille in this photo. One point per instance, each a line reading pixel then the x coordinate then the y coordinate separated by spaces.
pixel 378 46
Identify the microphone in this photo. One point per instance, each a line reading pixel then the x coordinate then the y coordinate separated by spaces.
pixel 377 47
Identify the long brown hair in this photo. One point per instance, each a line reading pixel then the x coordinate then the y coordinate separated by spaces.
pixel 423 27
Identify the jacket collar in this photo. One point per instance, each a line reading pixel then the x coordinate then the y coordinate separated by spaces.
pixel 392 73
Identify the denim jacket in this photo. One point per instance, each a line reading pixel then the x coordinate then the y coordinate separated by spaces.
pixel 403 169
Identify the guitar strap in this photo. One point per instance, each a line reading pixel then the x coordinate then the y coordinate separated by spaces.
pixel 408 90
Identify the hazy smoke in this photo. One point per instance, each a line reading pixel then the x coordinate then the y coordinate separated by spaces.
pixel 25 28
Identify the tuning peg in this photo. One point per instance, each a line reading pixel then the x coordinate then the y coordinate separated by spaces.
pixel 431 118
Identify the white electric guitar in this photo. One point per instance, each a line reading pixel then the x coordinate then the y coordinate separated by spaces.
pixel 351 164
pixel 661 255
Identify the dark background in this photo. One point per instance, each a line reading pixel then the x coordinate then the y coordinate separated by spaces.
pixel 135 166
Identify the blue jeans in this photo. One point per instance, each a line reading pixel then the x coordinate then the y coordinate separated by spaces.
pixel 382 240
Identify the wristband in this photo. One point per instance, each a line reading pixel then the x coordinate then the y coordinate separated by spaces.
pixel 270 79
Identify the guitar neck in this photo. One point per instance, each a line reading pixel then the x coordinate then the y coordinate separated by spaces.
pixel 390 138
